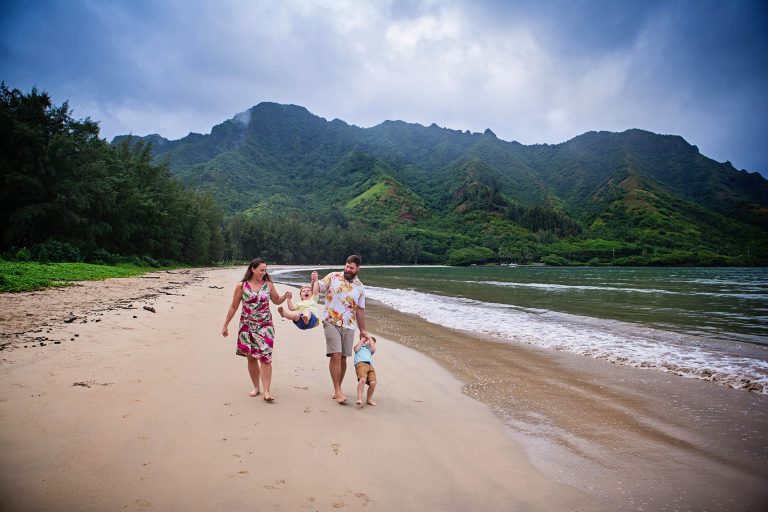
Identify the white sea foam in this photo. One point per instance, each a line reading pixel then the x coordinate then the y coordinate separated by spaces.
pixel 560 287
pixel 732 364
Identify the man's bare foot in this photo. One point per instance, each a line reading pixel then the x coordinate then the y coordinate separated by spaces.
pixel 255 392
pixel 371 402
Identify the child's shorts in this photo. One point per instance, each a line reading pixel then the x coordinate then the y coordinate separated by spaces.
pixel 301 324
pixel 365 371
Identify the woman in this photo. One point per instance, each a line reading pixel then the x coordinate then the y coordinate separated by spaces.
pixel 256 335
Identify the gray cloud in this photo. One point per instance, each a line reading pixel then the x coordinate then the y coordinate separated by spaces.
pixel 531 71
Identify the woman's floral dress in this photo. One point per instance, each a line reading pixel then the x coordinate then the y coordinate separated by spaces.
pixel 257 333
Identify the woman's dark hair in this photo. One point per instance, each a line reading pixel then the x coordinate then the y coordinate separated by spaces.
pixel 252 266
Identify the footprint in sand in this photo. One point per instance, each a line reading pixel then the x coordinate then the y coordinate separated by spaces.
pixel 336 447
pixel 143 504
pixel 364 498
pixel 307 409
pixel 338 504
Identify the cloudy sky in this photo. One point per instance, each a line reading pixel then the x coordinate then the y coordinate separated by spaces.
pixel 532 71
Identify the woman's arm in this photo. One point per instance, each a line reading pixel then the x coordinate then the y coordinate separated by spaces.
pixel 276 297
pixel 236 298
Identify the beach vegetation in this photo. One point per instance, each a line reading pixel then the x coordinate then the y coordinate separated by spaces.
pixel 68 195
pixel 21 276
pixel 474 255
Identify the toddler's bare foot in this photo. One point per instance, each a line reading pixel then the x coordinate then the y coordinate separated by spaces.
pixel 371 402
pixel 255 392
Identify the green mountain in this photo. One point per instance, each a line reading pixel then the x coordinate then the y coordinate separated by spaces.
pixel 636 195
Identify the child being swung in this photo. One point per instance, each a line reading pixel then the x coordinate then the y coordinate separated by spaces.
pixel 303 312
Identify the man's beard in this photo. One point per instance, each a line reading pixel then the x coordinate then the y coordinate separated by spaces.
pixel 349 276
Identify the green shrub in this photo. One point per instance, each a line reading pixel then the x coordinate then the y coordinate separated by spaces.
pixel 55 251
pixel 102 256
pixel 23 254
pixel 554 260
pixel 470 255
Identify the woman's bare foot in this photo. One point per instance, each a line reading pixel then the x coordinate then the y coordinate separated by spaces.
pixel 268 398
pixel 255 392
pixel 359 401
pixel 371 402
pixel 340 398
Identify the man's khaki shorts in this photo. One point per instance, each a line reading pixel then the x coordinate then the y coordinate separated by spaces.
pixel 338 339
pixel 365 371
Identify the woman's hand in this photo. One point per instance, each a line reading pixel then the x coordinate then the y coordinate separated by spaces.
pixel 225 331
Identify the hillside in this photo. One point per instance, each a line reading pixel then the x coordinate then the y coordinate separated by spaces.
pixel 653 197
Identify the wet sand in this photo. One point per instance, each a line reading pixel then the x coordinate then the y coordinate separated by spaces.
pixel 638 439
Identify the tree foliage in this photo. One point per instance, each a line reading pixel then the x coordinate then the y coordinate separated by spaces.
pixel 299 189
pixel 62 186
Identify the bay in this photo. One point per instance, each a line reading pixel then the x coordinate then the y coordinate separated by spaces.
pixel 706 323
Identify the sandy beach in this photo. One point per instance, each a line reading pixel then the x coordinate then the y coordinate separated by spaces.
pixel 144 410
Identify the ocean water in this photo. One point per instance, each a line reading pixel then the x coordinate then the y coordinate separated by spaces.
pixel 705 323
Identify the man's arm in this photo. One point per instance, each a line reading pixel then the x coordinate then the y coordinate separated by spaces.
pixel 315 285
pixel 322 283
pixel 360 316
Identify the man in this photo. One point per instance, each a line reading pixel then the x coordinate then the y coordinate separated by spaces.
pixel 344 312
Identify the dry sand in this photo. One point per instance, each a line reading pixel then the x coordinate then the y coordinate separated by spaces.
pixel 141 410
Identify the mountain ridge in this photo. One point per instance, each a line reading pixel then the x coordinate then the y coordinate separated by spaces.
pixel 634 187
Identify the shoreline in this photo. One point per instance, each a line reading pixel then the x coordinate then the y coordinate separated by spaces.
pixel 141 410
pixel 540 429
pixel 616 431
